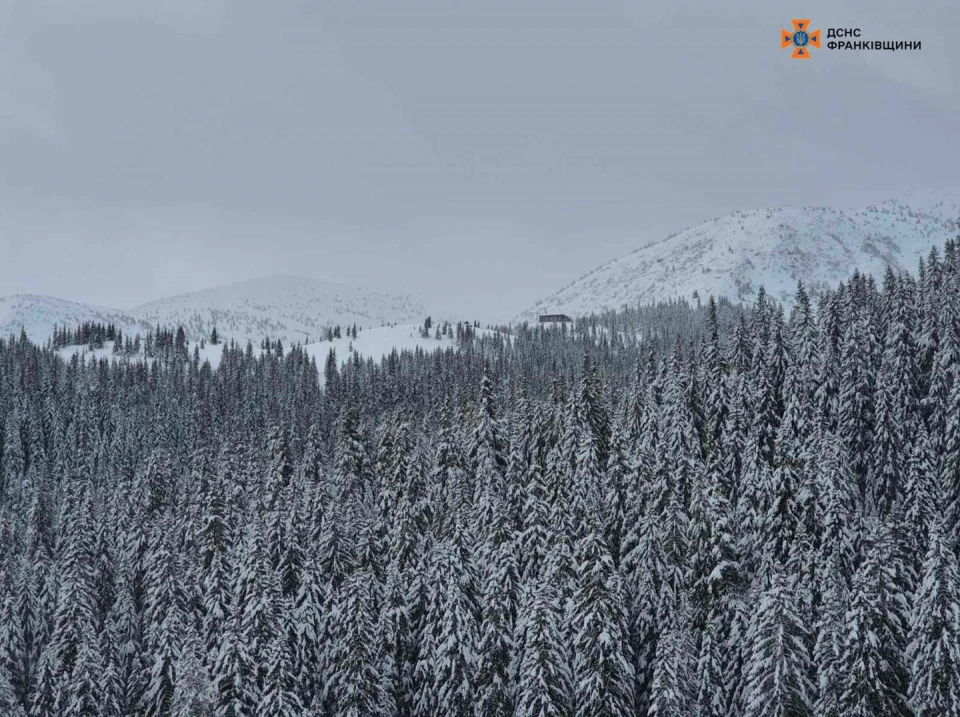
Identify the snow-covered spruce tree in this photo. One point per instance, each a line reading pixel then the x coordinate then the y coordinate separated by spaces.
pixel 933 651
pixel 84 694
pixel 390 465
pixel 522 447
pixel 828 647
pixel 943 372
pixel 780 672
pixel 645 573
pixel 873 671
pixel 887 468
pixel 535 532
pixel 15 460
pixel 241 659
pixel 827 369
pixel 310 633
pixel 446 671
pixel 495 678
pixel 711 696
pixel 166 608
pixel 682 443
pixel 9 702
pixel 193 693
pixel 488 449
pixel 715 386
pixel 753 503
pixel 124 630
pixel 950 456
pixel 279 697
pixel 674 532
pixel 215 542
pixel 714 590
pixel 351 461
pixel 43 698
pixel 74 620
pixel 334 552
pixel 673 691
pixel 711 564
pixel 15 659
pixel 279 471
pixel 449 475
pixel 357 685
pixel 398 627
pixel 603 664
pixel 544 682
pixel 616 492
pixel 838 518
pixel 929 285
pixel 734 440
pixel 765 378
pixel 591 399
pixel 855 409
pixel 291 553
pixel 585 495
pixel 804 353
pixel 921 490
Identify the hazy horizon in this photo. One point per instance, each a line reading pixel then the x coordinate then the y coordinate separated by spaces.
pixel 479 157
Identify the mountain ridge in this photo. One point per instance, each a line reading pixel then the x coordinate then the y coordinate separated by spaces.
pixel 733 255
pixel 286 307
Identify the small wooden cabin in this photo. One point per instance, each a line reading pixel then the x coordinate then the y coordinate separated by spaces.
pixel 555 319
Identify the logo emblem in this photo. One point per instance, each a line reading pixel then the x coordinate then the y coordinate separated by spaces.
pixel 801 38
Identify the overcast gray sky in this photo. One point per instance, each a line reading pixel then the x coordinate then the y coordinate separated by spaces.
pixel 481 153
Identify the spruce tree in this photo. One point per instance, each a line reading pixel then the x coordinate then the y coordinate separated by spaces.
pixel 603 663
pixel 447 666
pixel 357 685
pixel 673 692
pixel 495 647
pixel 544 682
pixel 872 663
pixel 933 651
pixel 780 673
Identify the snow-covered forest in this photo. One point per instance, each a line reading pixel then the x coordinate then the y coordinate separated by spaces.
pixel 741 512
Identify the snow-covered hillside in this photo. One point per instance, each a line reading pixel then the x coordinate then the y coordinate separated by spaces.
pixel 376 343
pixel 289 308
pixel 734 255
pixel 37 315
pixel 370 343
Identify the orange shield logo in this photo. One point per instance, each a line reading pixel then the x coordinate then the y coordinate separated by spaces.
pixel 801 39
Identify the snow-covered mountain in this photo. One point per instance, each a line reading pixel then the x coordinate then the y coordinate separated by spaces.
pixel 37 315
pixel 289 308
pixel 734 255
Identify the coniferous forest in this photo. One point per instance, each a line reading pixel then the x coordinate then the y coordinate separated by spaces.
pixel 671 511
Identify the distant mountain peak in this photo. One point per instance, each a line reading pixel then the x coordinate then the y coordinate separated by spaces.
pixel 775 247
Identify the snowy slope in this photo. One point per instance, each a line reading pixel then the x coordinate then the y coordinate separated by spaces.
pixel 288 308
pixel 37 315
pixel 734 255
pixel 370 343
pixel 376 343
